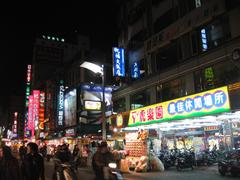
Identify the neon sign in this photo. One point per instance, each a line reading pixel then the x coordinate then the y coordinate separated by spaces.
pixel 118 62
pixel 60 104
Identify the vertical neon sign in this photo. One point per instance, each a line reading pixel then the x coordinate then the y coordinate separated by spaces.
pixel 41 110
pixel 118 62
pixel 28 90
pixel 60 104
pixel 36 99
pixel 14 128
pixel 30 114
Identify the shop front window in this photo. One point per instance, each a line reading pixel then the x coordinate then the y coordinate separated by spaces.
pixel 140 99
pixel 119 105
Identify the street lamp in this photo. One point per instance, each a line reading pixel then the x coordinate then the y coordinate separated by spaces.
pixel 99 70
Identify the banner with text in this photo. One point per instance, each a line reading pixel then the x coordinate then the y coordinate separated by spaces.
pixel 205 103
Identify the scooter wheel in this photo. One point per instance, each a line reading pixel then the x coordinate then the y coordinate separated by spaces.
pixel 221 171
pixel 178 168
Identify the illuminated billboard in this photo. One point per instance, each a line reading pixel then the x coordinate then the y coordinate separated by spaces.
pixel 70 108
pixel 205 103
pixel 94 93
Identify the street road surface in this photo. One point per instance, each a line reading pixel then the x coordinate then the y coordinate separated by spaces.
pixel 201 173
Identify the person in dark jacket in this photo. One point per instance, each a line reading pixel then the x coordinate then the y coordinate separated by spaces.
pixel 33 164
pixel 9 167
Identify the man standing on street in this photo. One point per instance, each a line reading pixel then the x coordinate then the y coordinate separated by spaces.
pixel 33 164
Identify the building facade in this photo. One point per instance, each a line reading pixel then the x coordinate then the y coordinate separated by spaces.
pixel 181 48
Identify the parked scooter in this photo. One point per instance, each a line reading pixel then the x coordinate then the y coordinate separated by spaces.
pixel 231 164
pixel 185 160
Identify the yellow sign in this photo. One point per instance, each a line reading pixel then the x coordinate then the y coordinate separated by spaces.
pixel 119 120
pixel 205 103
pixel 92 105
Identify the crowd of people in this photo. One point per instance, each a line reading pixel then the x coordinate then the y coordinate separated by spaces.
pixel 29 164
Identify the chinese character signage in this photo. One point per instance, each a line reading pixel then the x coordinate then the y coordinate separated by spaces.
pixel 41 110
pixel 205 103
pixel 14 127
pixel 28 90
pixel 30 115
pixel 60 104
pixel 135 70
pixel 118 62
pixel 36 100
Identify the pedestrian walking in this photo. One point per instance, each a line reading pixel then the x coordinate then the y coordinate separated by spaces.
pixel 33 164
pixel 9 167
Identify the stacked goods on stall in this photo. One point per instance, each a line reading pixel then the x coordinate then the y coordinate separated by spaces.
pixel 136 146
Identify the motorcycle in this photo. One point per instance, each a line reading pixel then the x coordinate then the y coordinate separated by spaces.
pixel 112 172
pixel 64 171
pixel 230 164
pixel 184 160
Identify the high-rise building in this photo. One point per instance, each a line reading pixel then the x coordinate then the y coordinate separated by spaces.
pixel 180 56
pixel 179 47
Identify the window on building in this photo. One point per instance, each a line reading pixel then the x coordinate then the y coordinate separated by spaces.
pixel 140 99
pixel 215 76
pixel 119 105
pixel 204 79
pixel 185 46
pixel 214 34
pixel 226 73
pixel 165 20
pixel 185 6
pixel 171 89
pixel 167 57
pixel 194 42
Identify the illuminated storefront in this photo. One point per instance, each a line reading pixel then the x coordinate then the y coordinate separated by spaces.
pixel 199 120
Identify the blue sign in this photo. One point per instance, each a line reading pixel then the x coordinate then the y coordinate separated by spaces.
pixel 135 70
pixel 118 62
pixel 204 40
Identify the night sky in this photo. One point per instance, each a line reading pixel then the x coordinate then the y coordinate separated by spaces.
pixel 22 23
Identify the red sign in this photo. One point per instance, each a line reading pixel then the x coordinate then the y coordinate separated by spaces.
pixel 36 99
pixel 30 114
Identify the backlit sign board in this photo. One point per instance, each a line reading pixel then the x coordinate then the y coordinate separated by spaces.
pixel 135 70
pixel 118 62
pixel 92 105
pixel 70 108
pixel 60 104
pixel 205 103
